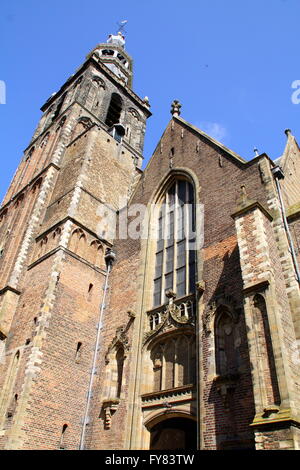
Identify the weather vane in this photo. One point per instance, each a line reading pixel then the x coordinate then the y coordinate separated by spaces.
pixel 121 26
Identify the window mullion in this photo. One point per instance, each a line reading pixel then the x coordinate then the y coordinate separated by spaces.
pixel 163 368
pixel 176 381
pixel 175 236
pixel 186 234
pixel 164 260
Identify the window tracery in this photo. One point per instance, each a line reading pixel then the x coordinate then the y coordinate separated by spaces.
pixel 173 362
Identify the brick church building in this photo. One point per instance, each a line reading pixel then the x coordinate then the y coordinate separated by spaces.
pixel 146 309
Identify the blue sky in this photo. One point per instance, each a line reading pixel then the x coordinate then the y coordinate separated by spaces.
pixel 230 63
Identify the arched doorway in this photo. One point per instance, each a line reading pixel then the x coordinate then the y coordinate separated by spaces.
pixel 174 433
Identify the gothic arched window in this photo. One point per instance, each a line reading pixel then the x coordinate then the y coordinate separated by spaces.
pixel 63 436
pixel 175 253
pixel 114 382
pixel 226 354
pixel 120 365
pixel 265 351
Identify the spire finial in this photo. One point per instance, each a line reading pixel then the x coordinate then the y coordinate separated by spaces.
pixel 287 132
pixel 175 108
pixel 256 151
pixel 119 38
pixel 171 296
pixel 121 26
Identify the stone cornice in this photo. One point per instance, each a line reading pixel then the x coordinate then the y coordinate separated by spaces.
pixel 114 46
pixel 62 248
pixel 174 394
pixel 256 287
pixel 76 222
pixel 84 190
pixel 252 205
pixel 277 417
pixel 293 212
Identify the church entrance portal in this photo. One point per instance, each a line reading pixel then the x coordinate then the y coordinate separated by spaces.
pixel 174 433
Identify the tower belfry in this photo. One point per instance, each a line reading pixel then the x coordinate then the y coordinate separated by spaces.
pixel 113 55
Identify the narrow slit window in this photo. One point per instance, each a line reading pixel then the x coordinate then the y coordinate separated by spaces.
pixel 78 352
pixel 120 367
pixel 62 444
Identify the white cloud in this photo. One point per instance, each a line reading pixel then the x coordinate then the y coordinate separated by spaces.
pixel 214 130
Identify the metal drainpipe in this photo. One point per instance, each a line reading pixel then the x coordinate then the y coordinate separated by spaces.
pixel 278 174
pixel 109 258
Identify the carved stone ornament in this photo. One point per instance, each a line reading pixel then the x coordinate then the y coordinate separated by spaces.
pixel 146 102
pixel 120 339
pixel 270 410
pixel 99 81
pixel 175 108
pixel 175 312
pixel 134 113
pixel 110 406
pixel 171 318
pixel 208 317
pixel 207 322
pixel 170 295
pixel 151 333
pixel 61 123
pixel 200 286
pixel 226 385
pixel 85 121
pixel 224 300
pixel 131 314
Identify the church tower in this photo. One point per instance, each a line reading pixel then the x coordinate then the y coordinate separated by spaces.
pixel 56 233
